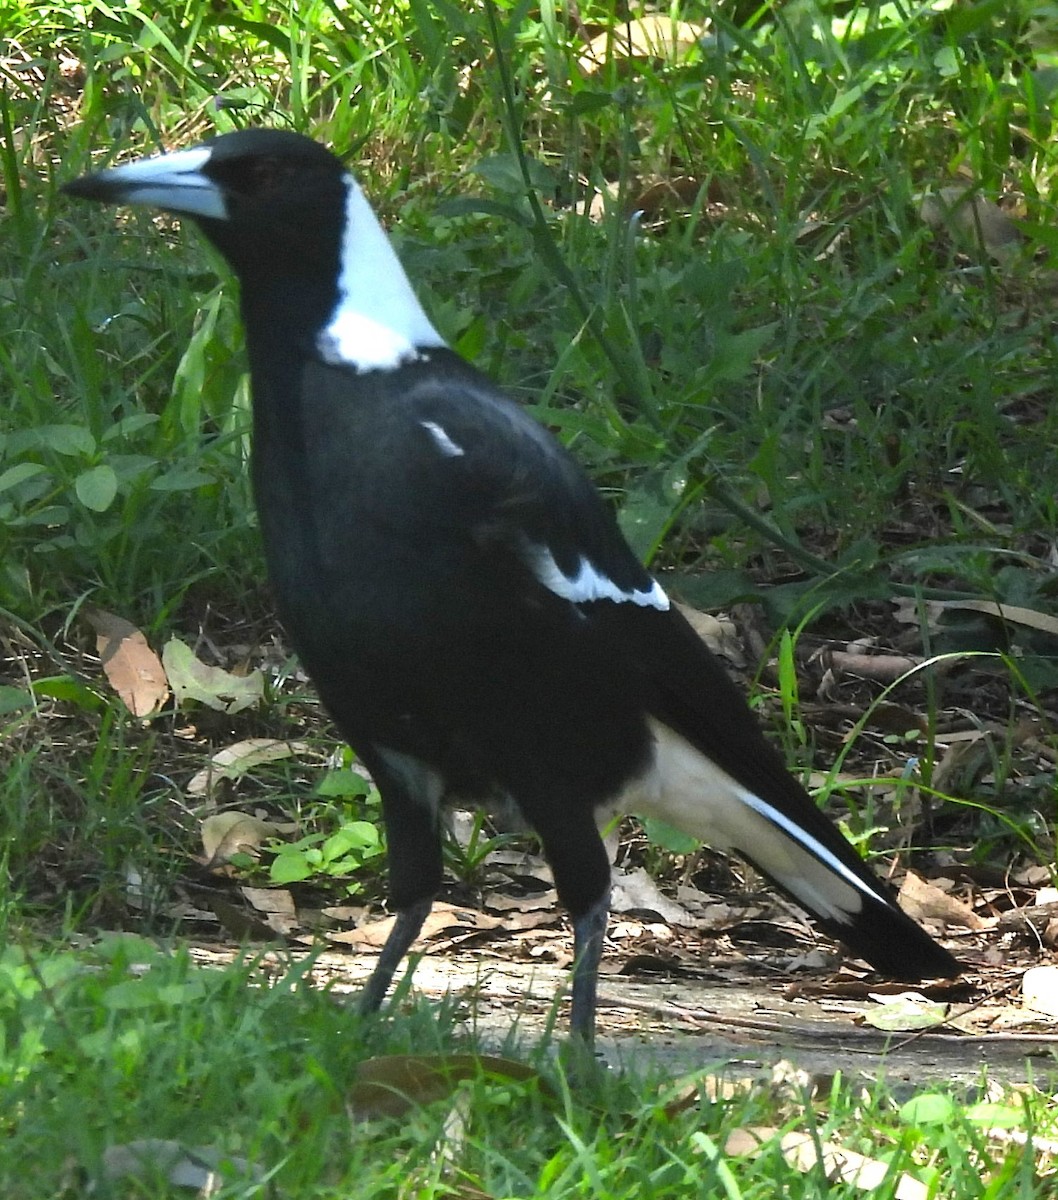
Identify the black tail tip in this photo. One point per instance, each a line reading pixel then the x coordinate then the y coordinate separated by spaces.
pixel 895 945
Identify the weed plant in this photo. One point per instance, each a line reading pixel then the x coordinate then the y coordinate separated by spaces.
pixel 706 265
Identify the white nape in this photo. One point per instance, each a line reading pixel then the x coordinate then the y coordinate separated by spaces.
pixel 442 441
pixel 589 584
pixel 378 322
pixel 173 182
pixel 686 789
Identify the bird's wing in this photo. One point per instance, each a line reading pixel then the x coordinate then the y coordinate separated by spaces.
pixel 513 488
pixel 715 774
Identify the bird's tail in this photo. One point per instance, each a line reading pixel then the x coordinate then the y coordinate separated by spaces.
pixel 791 842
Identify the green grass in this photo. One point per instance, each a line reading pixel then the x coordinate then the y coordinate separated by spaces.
pixel 797 393
pixel 126 1041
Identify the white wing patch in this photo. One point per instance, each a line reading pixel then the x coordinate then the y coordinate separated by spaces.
pixel 589 584
pixel 378 322
pixel 441 439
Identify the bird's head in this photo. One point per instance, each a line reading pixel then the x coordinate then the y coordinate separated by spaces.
pixel 267 198
pixel 313 261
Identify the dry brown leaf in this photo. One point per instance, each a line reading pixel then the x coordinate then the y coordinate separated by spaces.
pixel 1033 920
pixel 522 921
pixel 244 926
pixel 535 902
pixel 709 1087
pixel 651 37
pixel 271 900
pixel 229 833
pixel 839 1164
pixel 909 612
pixel 237 759
pixel 1007 612
pixel 390 1086
pixel 656 198
pixel 719 633
pixel 921 899
pixel 847 1166
pixel 637 891
pixel 441 918
pixel 132 668
pixel 974 220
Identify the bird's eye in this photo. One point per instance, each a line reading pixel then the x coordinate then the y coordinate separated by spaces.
pixel 252 176
pixel 267 172
pixel 264 175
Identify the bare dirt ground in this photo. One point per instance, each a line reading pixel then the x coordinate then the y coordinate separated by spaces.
pixel 746 1026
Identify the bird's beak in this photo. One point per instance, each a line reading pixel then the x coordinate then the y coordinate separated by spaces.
pixel 174 182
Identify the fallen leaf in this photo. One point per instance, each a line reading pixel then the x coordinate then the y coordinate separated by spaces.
pixel 711 1088
pixel 974 220
pixel 192 679
pixel 391 1085
pixel 229 833
pixel 651 37
pixel 663 195
pixel 240 757
pixel 801 1151
pixel 442 917
pixel 270 900
pixel 720 634
pixel 841 1165
pixel 179 1165
pixel 1039 990
pixel 636 891
pixel 534 902
pixel 241 925
pixel 1007 612
pixel 905 1012
pixel 132 668
pixel 923 900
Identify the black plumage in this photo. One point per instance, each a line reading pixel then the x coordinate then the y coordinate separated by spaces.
pixel 457 590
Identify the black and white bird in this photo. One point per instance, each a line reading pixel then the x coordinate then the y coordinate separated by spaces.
pixel 458 591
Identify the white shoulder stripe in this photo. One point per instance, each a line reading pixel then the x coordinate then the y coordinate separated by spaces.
pixel 441 439
pixel 590 584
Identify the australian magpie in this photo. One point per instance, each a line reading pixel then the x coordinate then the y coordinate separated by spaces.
pixel 458 591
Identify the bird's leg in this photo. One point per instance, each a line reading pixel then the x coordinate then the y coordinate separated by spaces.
pixel 588 931
pixel 405 930
pixel 411 793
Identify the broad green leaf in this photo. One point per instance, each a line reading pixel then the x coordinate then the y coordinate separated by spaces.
pixel 290 866
pixel 345 784
pixel 504 173
pixel 929 1108
pixel 19 473
pixel 69 690
pixel 181 479
pixel 66 439
pixel 668 838
pixel 353 836
pixel 97 487
pixel 14 699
